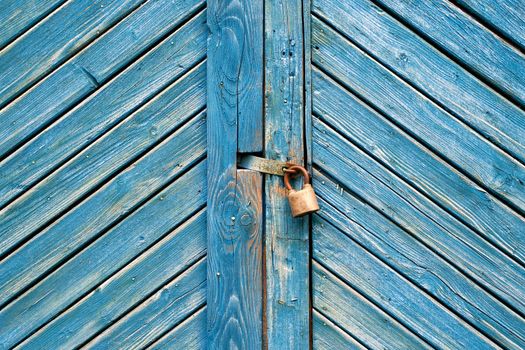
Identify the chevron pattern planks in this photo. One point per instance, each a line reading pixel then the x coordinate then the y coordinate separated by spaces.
pixel 103 174
pixel 418 129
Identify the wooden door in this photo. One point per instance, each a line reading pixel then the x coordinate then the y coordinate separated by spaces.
pixel 418 133
pixel 103 174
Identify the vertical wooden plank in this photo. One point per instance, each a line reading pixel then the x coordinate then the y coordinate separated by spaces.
pixel 234 197
pixel 251 72
pixel 286 239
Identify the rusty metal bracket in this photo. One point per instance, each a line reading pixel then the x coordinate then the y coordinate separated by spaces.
pixel 263 165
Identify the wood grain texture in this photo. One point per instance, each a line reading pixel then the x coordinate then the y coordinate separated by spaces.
pixel 191 334
pixel 102 159
pixel 357 315
pixel 434 127
pixel 17 16
pixel 465 39
pixel 103 110
pixel 128 287
pixel 382 285
pixel 413 212
pixel 114 201
pixel 508 16
pixel 420 265
pixel 419 63
pixel 90 68
pixel 104 257
pixel 160 313
pixel 55 39
pixel 235 196
pixel 417 166
pixel 328 336
pixel 286 241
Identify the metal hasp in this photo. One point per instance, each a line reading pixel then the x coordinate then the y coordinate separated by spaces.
pixel 263 165
pixel 304 201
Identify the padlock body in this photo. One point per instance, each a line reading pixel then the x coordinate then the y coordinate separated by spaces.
pixel 303 202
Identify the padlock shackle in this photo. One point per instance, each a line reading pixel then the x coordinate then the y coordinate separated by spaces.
pixel 292 171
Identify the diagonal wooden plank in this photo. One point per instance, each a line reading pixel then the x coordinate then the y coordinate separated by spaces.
pixel 423 66
pixel 286 241
pixel 507 16
pixel 468 41
pixel 420 265
pixel 159 314
pixel 103 110
pixel 408 304
pixel 191 334
pixel 127 288
pixel 113 202
pixel 90 68
pixel 405 157
pixel 104 257
pixel 328 336
pixel 17 16
pixel 234 277
pixel 416 214
pixel 357 315
pixel 434 127
pixel 93 166
pixel 55 39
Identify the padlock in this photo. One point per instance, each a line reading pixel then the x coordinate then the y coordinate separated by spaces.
pixel 304 201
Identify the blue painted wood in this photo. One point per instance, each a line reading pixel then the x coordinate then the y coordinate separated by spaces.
pixel 496 171
pixel 234 278
pixel 191 334
pixel 102 111
pixel 113 202
pixel 419 264
pixel 450 29
pixel 413 212
pixel 383 286
pixel 55 39
pixel 417 166
pixel 128 287
pixel 90 68
pixel 328 336
pixel 162 311
pixel 350 310
pixel 18 16
pixel 104 257
pixel 508 16
pixel 286 241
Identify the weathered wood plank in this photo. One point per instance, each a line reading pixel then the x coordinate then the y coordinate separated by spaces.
pixel 433 126
pixel 55 39
pixel 508 16
pixel 103 110
pixel 287 244
pixel 128 287
pixel 419 63
pixel 90 68
pixel 235 196
pixel 423 267
pixel 417 215
pixel 191 334
pixel 93 166
pixel 399 298
pixel 405 157
pixel 111 203
pixel 328 336
pixel 159 313
pixel 250 77
pixel 104 257
pixel 18 16
pixel 468 41
pixel 357 315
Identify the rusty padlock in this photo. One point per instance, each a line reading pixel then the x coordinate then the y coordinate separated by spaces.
pixel 304 201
